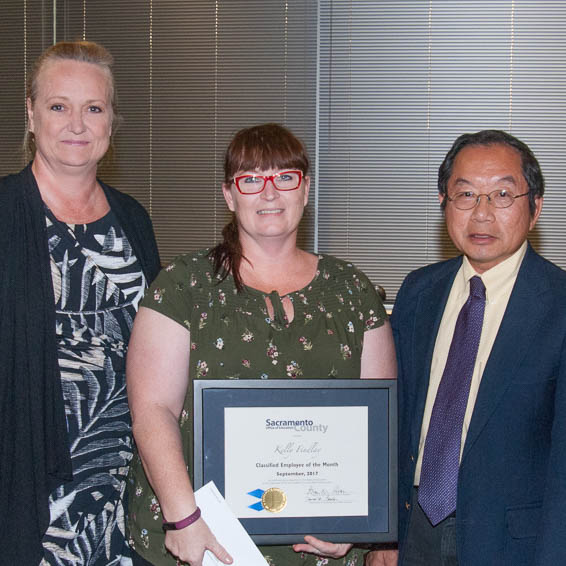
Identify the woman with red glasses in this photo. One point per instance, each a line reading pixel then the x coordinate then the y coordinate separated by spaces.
pixel 254 306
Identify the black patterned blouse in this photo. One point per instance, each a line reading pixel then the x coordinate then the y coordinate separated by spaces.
pixel 98 284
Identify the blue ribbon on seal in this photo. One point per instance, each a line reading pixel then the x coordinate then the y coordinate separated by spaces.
pixel 258 506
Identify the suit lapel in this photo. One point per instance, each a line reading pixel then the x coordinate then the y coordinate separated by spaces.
pixel 428 315
pixel 526 310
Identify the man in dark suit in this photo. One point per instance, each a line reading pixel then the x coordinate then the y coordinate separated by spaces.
pixel 481 346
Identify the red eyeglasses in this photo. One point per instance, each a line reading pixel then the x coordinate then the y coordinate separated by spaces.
pixel 252 184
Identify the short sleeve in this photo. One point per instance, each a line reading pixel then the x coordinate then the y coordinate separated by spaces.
pixel 371 304
pixel 170 293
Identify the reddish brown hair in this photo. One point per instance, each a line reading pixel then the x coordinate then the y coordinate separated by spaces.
pixel 267 146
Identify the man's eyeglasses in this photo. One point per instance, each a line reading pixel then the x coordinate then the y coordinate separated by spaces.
pixel 467 200
pixel 251 184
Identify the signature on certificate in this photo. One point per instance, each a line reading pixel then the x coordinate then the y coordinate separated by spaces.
pixel 327 495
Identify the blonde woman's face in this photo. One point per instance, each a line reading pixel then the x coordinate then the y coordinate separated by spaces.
pixel 71 118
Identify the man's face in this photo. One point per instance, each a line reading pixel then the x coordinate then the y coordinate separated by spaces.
pixel 485 234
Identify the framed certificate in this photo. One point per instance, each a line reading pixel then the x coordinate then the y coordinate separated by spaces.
pixel 297 457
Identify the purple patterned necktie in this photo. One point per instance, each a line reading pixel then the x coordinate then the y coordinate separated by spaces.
pixel 441 458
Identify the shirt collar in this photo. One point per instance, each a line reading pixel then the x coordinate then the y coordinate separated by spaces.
pixel 498 278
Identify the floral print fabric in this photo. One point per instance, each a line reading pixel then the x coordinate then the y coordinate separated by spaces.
pixel 98 284
pixel 233 337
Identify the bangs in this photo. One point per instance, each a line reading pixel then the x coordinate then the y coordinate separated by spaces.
pixel 262 158
pixel 269 146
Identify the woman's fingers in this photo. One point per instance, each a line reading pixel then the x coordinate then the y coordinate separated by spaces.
pixel 190 544
pixel 316 546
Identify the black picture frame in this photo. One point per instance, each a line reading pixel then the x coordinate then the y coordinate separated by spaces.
pixel 378 395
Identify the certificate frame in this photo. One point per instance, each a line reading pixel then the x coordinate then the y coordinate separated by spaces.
pixel 212 397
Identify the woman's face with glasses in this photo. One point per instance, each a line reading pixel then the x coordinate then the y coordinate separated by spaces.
pixel 267 203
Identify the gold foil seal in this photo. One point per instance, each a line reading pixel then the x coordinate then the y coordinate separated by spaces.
pixel 274 500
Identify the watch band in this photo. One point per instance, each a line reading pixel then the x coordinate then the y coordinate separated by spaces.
pixel 178 525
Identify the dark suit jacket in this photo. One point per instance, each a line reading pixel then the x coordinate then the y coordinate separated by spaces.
pixel 511 507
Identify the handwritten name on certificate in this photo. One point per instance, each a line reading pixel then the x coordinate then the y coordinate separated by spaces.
pixel 296 461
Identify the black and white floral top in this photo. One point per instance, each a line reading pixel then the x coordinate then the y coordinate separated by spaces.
pixel 98 284
pixel 232 337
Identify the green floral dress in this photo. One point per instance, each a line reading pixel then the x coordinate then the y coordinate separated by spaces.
pixel 233 337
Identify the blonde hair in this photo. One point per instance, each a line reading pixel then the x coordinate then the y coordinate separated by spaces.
pixel 82 52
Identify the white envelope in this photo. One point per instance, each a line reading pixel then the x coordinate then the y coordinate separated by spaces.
pixel 227 530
